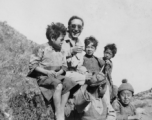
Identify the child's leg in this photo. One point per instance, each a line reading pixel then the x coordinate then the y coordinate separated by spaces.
pixel 63 102
pixel 57 101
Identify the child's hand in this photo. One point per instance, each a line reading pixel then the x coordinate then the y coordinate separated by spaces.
pixel 88 76
pixel 56 74
pixel 109 62
pixel 51 72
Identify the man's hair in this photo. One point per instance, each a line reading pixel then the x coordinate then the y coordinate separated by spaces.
pixel 89 40
pixel 75 17
pixel 54 30
pixel 111 47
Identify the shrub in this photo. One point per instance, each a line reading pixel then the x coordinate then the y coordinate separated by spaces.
pixel 29 106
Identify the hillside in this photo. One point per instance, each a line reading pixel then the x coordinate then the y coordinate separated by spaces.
pixel 20 98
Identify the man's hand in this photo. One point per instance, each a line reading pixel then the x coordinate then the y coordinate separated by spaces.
pixel 77 49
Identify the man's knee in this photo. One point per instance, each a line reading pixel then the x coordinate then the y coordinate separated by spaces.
pixel 59 87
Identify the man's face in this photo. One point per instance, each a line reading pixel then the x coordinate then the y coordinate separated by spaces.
pixel 108 54
pixel 90 49
pixel 102 90
pixel 59 41
pixel 125 97
pixel 75 28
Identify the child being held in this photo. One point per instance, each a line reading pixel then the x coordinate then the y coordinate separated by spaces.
pixel 125 110
pixel 109 52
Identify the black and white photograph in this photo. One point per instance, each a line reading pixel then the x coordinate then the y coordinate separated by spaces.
pixel 75 60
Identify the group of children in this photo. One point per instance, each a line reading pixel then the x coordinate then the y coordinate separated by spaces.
pixel 80 85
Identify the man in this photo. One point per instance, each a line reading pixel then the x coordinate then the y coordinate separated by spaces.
pixel 72 47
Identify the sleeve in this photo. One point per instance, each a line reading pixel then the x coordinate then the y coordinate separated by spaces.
pixel 109 72
pixel 81 59
pixel 119 116
pixel 36 58
pixel 111 113
pixel 66 49
pixel 64 64
pixel 81 99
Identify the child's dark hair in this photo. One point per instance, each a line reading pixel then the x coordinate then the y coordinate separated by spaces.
pixel 89 40
pixel 111 47
pixel 75 17
pixel 54 30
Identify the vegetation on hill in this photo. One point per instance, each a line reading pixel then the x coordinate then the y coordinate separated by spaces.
pixel 20 98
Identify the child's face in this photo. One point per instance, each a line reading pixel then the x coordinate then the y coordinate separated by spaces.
pixel 102 89
pixel 108 54
pixel 90 49
pixel 125 97
pixel 59 41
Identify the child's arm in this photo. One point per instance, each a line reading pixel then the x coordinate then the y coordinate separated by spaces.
pixel 60 72
pixel 44 71
pixel 109 71
pixel 36 59
pixel 64 65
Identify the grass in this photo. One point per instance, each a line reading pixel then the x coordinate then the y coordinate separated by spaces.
pixel 20 97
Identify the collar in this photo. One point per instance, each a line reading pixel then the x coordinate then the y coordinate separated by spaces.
pixel 89 56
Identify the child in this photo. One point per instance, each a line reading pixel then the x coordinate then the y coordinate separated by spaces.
pixel 123 107
pixel 91 62
pixel 109 52
pixel 89 100
pixel 47 64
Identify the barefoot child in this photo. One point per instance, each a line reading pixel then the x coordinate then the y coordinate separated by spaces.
pixel 47 64
pixel 123 107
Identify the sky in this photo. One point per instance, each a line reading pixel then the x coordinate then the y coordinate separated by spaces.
pixel 127 23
